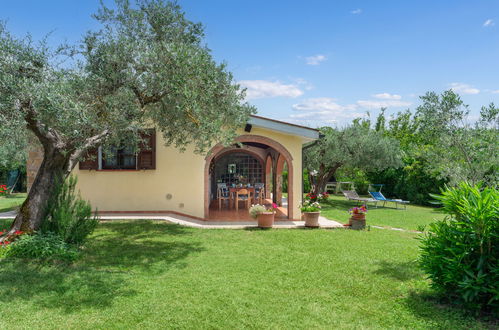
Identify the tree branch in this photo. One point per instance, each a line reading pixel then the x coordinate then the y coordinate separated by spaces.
pixel 146 99
pixel 89 143
pixel 48 137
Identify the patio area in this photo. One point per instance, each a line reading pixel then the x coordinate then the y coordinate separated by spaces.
pixel 195 223
pixel 242 213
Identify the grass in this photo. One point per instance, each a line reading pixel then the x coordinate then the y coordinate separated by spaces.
pixel 144 274
pixel 336 208
pixel 11 202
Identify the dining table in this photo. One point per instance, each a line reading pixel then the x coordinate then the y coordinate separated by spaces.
pixel 233 190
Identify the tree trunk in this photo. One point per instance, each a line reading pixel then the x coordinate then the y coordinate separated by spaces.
pixel 51 173
pixel 323 177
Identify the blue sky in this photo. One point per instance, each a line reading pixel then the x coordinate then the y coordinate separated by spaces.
pixel 324 62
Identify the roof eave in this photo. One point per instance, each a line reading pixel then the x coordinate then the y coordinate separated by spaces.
pixel 308 133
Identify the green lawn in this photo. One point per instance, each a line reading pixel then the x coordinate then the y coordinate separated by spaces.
pixel 146 274
pixel 11 202
pixel 336 208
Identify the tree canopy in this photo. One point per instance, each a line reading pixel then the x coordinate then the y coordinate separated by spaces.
pixel 147 65
pixel 452 144
pixel 356 146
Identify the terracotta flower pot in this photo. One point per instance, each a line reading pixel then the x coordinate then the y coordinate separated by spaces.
pixel 311 219
pixel 358 221
pixel 265 219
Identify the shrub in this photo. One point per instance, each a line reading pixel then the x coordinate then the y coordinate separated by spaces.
pixel 68 215
pixel 461 253
pixel 45 246
pixel 4 250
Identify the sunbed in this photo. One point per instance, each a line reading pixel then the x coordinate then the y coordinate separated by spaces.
pixel 378 196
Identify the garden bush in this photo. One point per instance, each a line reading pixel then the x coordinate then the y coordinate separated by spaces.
pixel 42 246
pixel 461 253
pixel 68 215
pixel 410 182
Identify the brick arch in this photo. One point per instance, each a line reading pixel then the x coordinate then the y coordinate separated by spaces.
pixel 256 139
pixel 227 151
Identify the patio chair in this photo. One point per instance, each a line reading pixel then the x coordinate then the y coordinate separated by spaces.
pixel 378 196
pixel 222 194
pixel 352 195
pixel 242 195
pixel 260 192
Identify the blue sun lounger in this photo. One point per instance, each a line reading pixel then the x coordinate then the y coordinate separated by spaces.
pixel 378 196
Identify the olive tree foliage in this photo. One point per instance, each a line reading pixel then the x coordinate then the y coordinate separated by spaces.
pixel 453 146
pixel 12 149
pixel 356 146
pixel 146 66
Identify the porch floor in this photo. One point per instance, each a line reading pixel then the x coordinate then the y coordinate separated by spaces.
pixel 242 214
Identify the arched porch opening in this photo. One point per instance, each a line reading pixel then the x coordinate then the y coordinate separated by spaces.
pixel 252 160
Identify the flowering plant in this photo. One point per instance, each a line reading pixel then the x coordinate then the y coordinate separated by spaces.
pixel 11 238
pixel 317 198
pixel 358 210
pixel 310 206
pixel 3 190
pixel 257 209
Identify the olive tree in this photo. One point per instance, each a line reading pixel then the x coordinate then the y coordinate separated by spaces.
pixel 356 146
pixel 455 145
pixel 147 65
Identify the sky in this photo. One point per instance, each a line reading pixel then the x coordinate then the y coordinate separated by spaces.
pixel 323 62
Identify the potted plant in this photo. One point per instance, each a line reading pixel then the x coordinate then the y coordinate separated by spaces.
pixel 311 211
pixel 358 217
pixel 264 216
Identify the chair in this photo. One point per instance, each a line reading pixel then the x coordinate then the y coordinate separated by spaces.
pixel 242 195
pixel 222 194
pixel 378 196
pixel 260 192
pixel 352 195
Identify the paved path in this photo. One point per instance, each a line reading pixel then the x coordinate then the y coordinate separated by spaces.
pixel 189 222
pixel 8 215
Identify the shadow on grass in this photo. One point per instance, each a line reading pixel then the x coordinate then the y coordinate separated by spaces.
pixel 400 271
pixel 443 314
pixel 115 254
pixel 341 204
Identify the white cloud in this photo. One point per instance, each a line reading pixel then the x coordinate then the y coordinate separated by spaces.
pixel 489 22
pixel 303 83
pixel 356 11
pixel 463 88
pixel 376 104
pixel 259 89
pixel 496 91
pixel 323 110
pixel 316 59
pixel 387 96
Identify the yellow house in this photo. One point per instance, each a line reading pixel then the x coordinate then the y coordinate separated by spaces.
pixel 162 179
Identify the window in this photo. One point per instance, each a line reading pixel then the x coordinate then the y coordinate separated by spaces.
pixel 123 158
pixel 119 159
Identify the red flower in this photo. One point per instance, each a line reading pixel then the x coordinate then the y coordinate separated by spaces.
pixel 18 232
pixel 274 205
